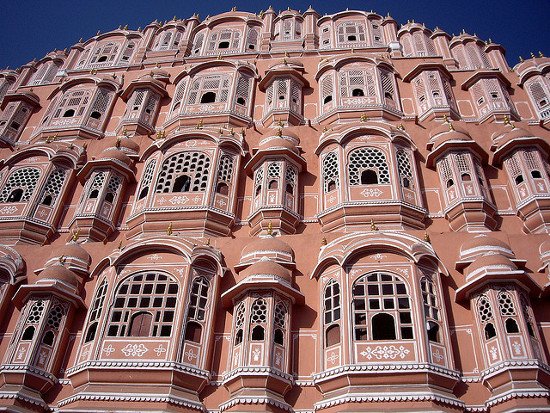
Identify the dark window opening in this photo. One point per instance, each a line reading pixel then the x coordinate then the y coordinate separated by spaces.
pixel 511 326
pixel 494 95
pixel 193 332
pixel 181 184
pixel 95 115
pixel 241 101
pixel 465 177
pixel 490 331
pixel 536 174
pixel 450 183
pixel 222 188
pixel 49 338
pixel 258 190
pixel 68 113
pixel 109 197
pixel 90 335
pixel 282 97
pixel 519 179
pixel 143 193
pixel 258 333
pixel 102 59
pixel 435 93
pixel 279 337
pixel 332 335
pixel 223 45
pixel 239 337
pixel 331 186
pixel 328 99
pixel 28 334
pixel 406 183
pixel 369 177
pixel 388 95
pixel 383 327
pixel 141 325
pixel 94 194
pixel 289 189
pixel 352 38
pixel 433 331
pixel 273 185
pixel 208 97
pixel 251 46
pixel 47 200
pixel 530 329
pixel 15 195
pixel 15 125
pixel 357 92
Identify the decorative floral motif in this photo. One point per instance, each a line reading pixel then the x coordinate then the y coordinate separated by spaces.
pixel 134 350
pixel 160 350
pixel 179 200
pixel 8 210
pixel 371 192
pixel 109 349
pixel 385 352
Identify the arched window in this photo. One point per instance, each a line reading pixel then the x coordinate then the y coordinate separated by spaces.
pixel 330 172
pixel 279 323
pixel 194 166
pixel 351 32
pixel 404 169
pixel 53 187
pixel 34 316
pixel 97 185
pixel 258 319
pixel 225 174
pixel 147 179
pixel 209 89
pixel 431 308
pixel 331 310
pixel 239 324
pixel 144 305
pixel 105 53
pixel 486 317
pixel 95 311
pixel 20 185
pixel 381 301
pixel 368 159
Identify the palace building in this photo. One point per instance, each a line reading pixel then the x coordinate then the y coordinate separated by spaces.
pixel 281 212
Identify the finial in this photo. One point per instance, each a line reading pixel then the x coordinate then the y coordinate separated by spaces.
pixel 445 119
pixel 521 59
pixel 117 143
pixel 279 123
pixel 220 56
pixel 125 27
pixel 161 134
pixel 269 229
pixel 120 245
pixel 62 259
pixel 325 129
pixel 139 29
pixel 119 26
pixel 157 65
pixel 490 40
pixel 31 89
pixel 76 235
pixel 231 131
pixel 363 117
pixel 199 125
pixel 451 127
pixel 279 132
pixel 284 61
pixel 286 53
pixel 427 237
pixel 234 8
pixel 98 32
pixel 373 227
pixel 81 39
pixel 401 127
pixel 540 54
pixel 507 120
pixel 242 132
pixel 261 14
pixel 324 241
pixel 124 132
pixel 352 50
pixel 169 230
pixel 174 18
pixel 533 55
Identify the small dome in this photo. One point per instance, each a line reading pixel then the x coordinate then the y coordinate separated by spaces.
pixel 59 272
pixel 266 267
pixel 448 137
pixel 73 250
pixel 128 145
pixel 266 245
pixel 509 133
pixel 445 127
pixel 482 244
pixel 114 153
pixel 491 261
pixel 274 143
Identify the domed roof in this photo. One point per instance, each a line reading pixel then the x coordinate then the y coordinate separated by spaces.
pixel 447 127
pixel 448 137
pixel 277 142
pixel 266 267
pixel 509 133
pixel 73 250
pixel 269 244
pixel 59 272
pixel 114 153
pixel 129 144
pixel 482 244
pixel 491 260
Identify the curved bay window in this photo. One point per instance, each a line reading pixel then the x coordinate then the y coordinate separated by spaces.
pixel 331 313
pixel 144 306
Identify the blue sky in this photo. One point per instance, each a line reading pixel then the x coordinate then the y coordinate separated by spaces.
pixel 31 29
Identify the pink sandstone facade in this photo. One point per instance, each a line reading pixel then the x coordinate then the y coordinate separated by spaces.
pixel 279 212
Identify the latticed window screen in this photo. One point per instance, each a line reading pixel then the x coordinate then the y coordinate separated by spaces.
pixel 381 301
pixel 112 187
pixel 199 40
pixel 532 160
pixel 259 177
pixel 35 313
pixel 357 83
pixel 225 169
pixel 243 88
pixel 387 85
pixel 258 311
pixel 512 166
pixel 55 316
pixel 290 175
pixel 330 172
pixel 127 53
pixel 377 35
pixel 274 170
pixel 444 170
pixel 431 308
pixel 280 315
pixel 195 165
pixel 98 181
pixel 144 305
pixel 178 96
pixel 97 304
pixel 462 160
pixel 327 89
pixel 506 304
pixel 484 309
pixel 147 177
pixel 73 103
pixel 351 32
pixel 404 168
pixel 332 302
pixel 252 39
pixel 371 159
pixel 101 103
pixel 24 180
pixel 539 95
pixel 198 299
pixel 239 316
pixel 53 186
pixel 217 84
pixel 105 53
pixel 223 40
